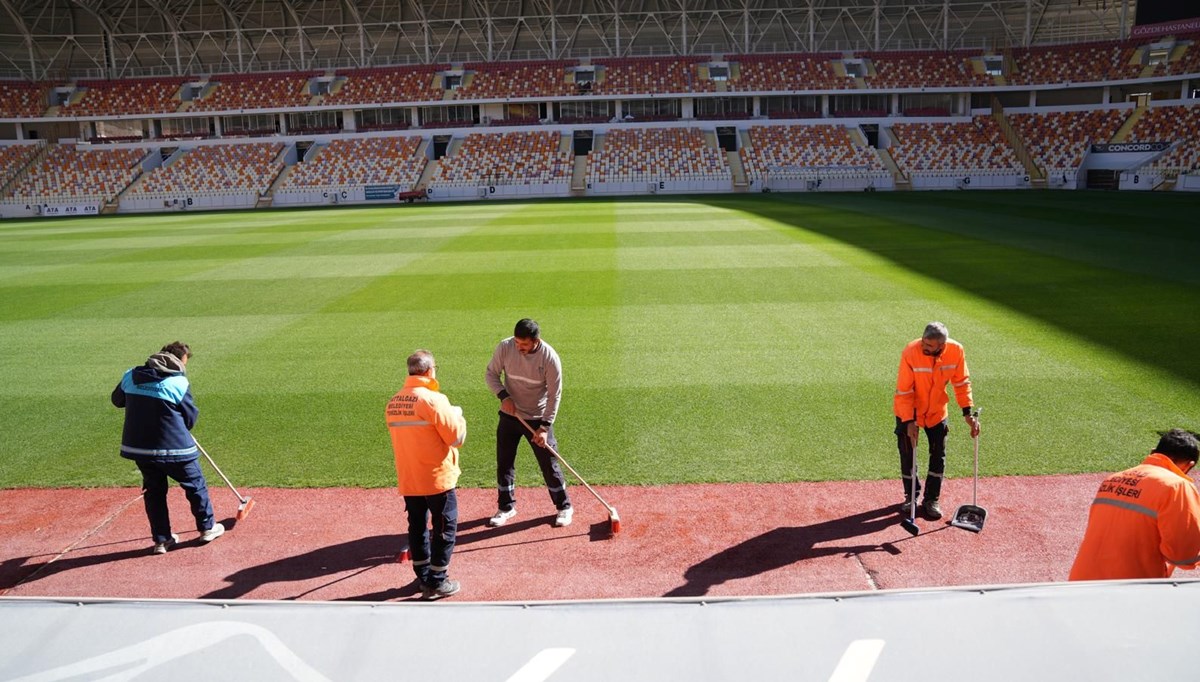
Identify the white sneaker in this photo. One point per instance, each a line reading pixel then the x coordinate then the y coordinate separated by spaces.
pixel 162 547
pixel 502 517
pixel 564 517
pixel 212 533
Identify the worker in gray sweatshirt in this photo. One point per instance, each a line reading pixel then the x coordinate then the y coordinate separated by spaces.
pixel 526 375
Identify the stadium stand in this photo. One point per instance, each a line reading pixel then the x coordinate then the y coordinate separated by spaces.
pixel 977 146
pixel 1058 140
pixel 801 150
pixel 926 69
pixel 518 158
pixel 1172 124
pixel 68 173
pixel 649 76
pixel 21 99
pixel 786 73
pixel 217 169
pixel 499 80
pixel 1083 63
pixel 657 154
pixel 128 96
pixel 256 91
pixel 1189 62
pixel 13 158
pixel 388 85
pixel 362 161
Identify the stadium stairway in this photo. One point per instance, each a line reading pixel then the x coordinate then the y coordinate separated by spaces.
pixel 115 205
pixel 1138 56
pixel 738 171
pixel 427 172
pixel 423 147
pixel 579 175
pixel 1037 176
pixel 902 181
pixel 268 197
pixel 1122 134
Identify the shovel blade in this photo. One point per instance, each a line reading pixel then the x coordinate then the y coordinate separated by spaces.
pixel 970 517
pixel 910 525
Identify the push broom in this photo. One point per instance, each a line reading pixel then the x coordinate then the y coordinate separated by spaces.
pixel 614 521
pixel 246 503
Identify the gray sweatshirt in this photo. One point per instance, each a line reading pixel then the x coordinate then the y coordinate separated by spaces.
pixel 534 381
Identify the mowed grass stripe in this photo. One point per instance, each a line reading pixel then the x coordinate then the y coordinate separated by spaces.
pixel 738 338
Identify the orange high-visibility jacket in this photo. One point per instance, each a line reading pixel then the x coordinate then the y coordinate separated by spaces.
pixel 1144 523
pixel 426 431
pixel 921 383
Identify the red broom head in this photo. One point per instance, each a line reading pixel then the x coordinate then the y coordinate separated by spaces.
pixel 614 520
pixel 404 555
pixel 244 510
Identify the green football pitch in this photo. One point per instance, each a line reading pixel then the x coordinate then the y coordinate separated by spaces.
pixel 733 338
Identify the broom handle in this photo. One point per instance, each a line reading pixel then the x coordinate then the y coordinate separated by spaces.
pixel 975 487
pixel 221 473
pixel 564 463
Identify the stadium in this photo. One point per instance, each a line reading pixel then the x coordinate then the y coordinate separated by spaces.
pixel 729 219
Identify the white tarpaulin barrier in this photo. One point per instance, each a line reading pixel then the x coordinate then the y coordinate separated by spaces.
pixel 1117 631
pixel 188 201
pixel 460 193
pixel 970 180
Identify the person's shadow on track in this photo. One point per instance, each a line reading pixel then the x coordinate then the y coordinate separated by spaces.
pixel 20 570
pixel 785 546
pixel 362 554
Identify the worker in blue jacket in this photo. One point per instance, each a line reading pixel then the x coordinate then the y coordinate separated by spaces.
pixel 159 416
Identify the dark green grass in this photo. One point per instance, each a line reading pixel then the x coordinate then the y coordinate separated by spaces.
pixel 733 338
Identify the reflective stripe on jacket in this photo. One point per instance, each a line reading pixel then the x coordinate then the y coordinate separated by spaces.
pixel 1144 523
pixel 921 383
pixel 426 431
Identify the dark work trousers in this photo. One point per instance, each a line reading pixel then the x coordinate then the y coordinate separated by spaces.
pixel 154 494
pixel 508 436
pixel 936 437
pixel 431 555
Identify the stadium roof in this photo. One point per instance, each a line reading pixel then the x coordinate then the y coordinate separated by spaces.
pixel 42 39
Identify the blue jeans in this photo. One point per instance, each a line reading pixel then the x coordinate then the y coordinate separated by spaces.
pixel 936 436
pixel 431 555
pixel 509 432
pixel 154 494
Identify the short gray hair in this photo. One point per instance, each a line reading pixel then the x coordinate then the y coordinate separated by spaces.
pixel 420 362
pixel 936 330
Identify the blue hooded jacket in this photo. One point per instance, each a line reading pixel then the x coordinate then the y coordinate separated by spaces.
pixel 159 411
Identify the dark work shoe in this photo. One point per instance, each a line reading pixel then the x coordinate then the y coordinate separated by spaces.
pixel 906 508
pixel 446 589
pixel 931 509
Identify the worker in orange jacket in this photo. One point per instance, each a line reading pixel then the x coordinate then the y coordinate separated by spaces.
pixel 927 365
pixel 426 431
pixel 1145 521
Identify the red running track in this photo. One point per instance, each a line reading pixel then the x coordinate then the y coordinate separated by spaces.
pixel 678 540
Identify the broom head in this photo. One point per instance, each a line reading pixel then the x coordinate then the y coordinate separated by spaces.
pixel 244 508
